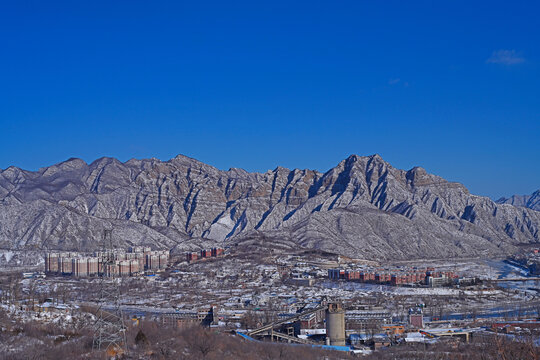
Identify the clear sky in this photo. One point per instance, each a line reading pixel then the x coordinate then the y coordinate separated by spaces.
pixel 452 86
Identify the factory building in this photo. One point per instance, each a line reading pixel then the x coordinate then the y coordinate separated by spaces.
pixel 183 319
pixel 306 322
pixel 367 317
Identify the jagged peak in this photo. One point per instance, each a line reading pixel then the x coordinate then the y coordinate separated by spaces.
pixel 531 201
pixel 414 174
pixel 281 168
pixel 352 158
pixel 238 171
pixel 104 161
pixel 12 172
pixel 133 161
pixel 189 161
pixel 376 157
pixel 74 162
pixel 11 168
pixel 534 193
pixel 416 171
pixel 502 200
pixel 69 164
pixel 355 158
pixel 182 157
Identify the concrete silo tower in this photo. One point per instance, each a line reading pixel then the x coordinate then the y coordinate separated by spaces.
pixel 335 325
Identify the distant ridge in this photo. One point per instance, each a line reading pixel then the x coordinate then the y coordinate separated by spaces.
pixel 529 201
pixel 362 207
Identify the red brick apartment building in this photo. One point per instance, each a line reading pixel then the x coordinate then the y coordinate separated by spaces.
pixel 388 277
pixel 204 254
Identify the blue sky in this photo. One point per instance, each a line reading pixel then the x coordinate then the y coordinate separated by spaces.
pixel 448 85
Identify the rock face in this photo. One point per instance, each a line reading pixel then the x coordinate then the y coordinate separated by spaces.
pixel 363 207
pixel 529 201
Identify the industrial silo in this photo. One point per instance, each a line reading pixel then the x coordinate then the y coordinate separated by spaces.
pixel 335 325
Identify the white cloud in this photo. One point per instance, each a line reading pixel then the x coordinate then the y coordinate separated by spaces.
pixel 393 81
pixel 505 57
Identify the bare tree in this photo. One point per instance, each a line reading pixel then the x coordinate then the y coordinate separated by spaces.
pixel 200 342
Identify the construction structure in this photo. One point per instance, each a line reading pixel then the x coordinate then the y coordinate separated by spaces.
pixel 109 328
pixel 335 325
pixel 438 333
pixel 270 329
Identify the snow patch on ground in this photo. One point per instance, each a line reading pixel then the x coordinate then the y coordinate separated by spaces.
pixel 220 229
pixel 7 255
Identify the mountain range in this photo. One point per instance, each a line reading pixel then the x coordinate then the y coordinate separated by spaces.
pixel 530 201
pixel 363 207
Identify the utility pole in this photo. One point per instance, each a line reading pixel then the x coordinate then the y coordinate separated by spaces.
pixel 109 328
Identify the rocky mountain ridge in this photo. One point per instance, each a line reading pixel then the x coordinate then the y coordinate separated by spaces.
pixel 363 207
pixel 531 201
